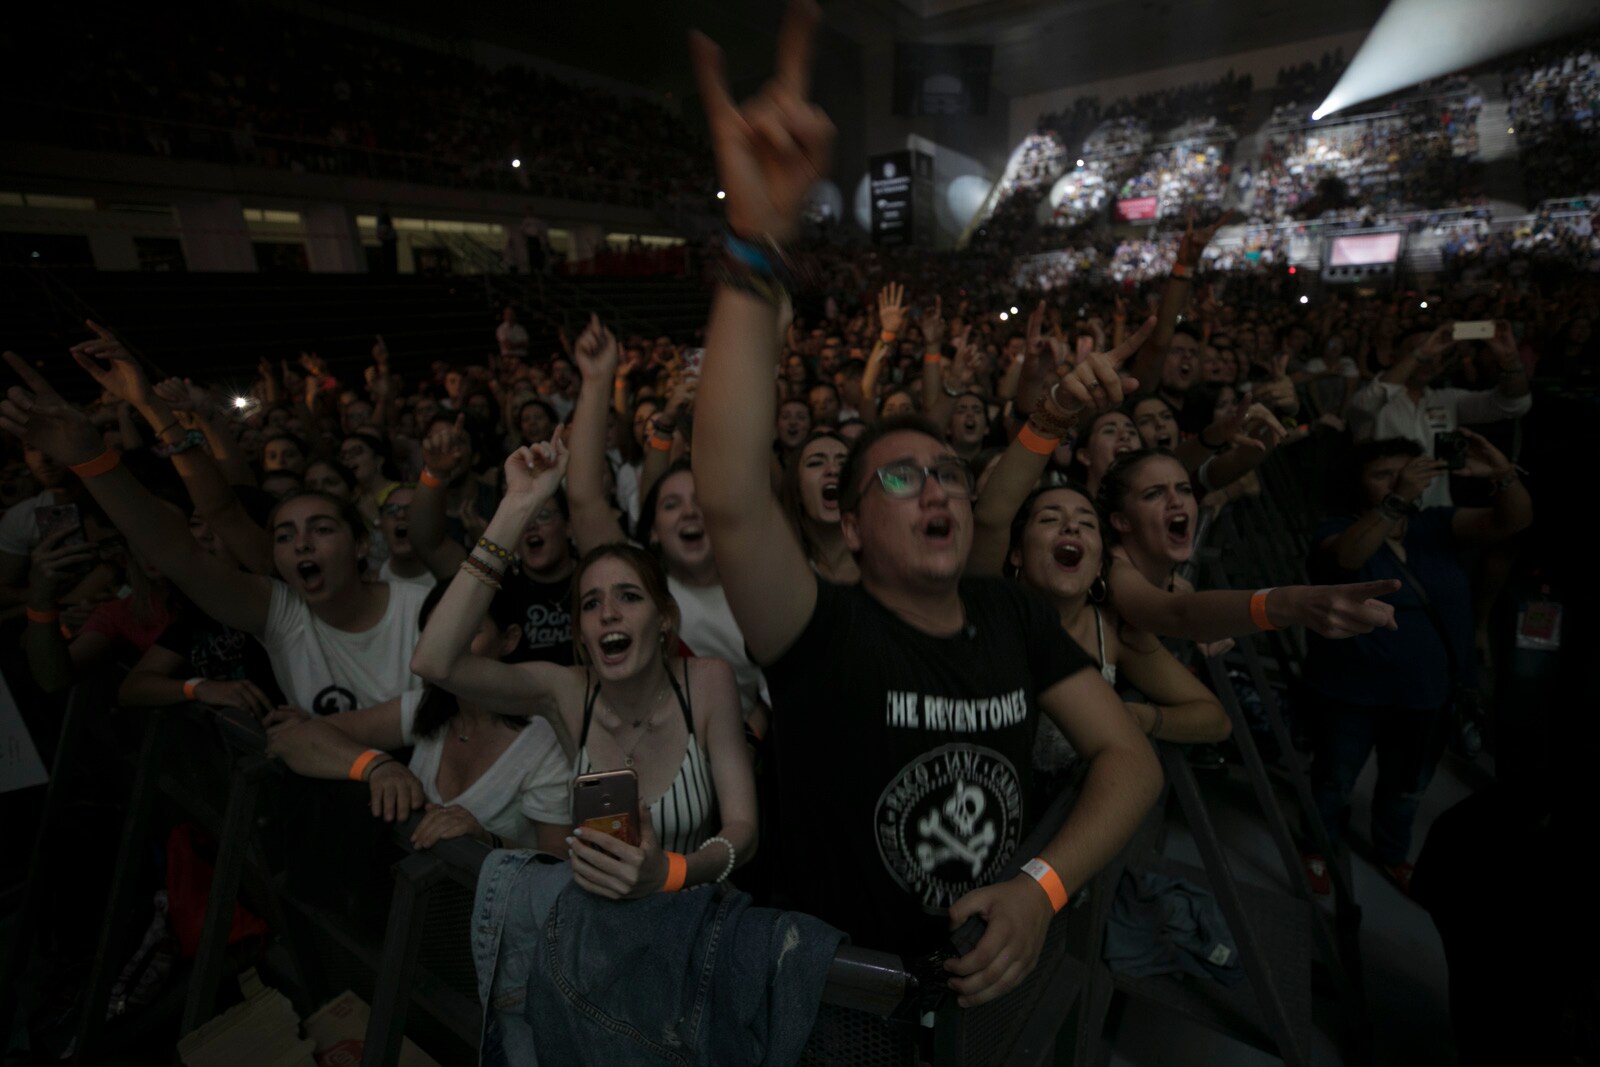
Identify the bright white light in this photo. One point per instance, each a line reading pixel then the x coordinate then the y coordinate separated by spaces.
pixel 722 194
pixel 1004 316
pixel 1080 162
pixel 1511 129
pixel 1414 40
pixel 1305 300
pixel 1013 311
pixel 516 162
pixel 1423 305
pixel 241 402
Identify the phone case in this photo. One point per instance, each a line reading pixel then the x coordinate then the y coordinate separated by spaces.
pixel 607 803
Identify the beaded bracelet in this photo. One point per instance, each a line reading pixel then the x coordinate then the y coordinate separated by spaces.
pixel 497 551
pixel 732 855
pixel 479 570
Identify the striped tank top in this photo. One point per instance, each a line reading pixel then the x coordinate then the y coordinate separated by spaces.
pixel 681 816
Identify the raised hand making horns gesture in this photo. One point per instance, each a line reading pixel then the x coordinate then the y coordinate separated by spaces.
pixel 775 146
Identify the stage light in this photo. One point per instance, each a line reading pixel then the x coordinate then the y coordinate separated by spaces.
pixel 722 194
pixel 1080 162
pixel 1415 40
pixel 516 163
pixel 241 402
pixel 1004 316
pixel 1423 305
pixel 1292 270
pixel 1511 129
pixel 1305 300
pixel 1013 311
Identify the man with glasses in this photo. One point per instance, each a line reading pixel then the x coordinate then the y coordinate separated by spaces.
pixel 904 707
pixel 394 520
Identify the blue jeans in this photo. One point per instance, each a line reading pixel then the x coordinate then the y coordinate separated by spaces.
pixel 1409 744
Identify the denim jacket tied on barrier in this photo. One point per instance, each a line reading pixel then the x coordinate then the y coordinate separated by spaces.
pixel 698 977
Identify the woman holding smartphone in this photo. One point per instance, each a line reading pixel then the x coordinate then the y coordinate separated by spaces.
pixel 631 703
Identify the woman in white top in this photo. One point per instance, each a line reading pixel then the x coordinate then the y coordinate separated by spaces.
pixel 633 702
pixel 336 642
pixel 502 779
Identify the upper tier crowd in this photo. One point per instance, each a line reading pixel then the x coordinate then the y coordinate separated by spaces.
pixel 263 87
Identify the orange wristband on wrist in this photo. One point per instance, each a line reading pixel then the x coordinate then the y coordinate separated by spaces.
pixel 1048 880
pixel 43 616
pixel 1258 609
pixel 97 466
pixel 932 357
pixel 363 761
pixel 191 687
pixel 430 479
pixel 677 872
pixel 1036 442
pixel 660 444
pixel 887 338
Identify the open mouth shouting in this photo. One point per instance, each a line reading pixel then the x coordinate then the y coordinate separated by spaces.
pixel 830 496
pixel 1178 530
pixel 939 529
pixel 614 647
pixel 1165 441
pixel 692 534
pixel 1068 554
pixel 310 575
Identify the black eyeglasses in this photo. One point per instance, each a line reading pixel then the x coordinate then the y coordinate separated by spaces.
pixel 901 481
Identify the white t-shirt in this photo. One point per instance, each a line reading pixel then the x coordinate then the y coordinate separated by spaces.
pixel 627 475
pixel 1390 412
pixel 325 670
pixel 386 574
pixel 19 526
pixel 530 782
pixel 513 339
pixel 709 630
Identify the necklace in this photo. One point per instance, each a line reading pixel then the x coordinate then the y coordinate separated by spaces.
pixel 648 722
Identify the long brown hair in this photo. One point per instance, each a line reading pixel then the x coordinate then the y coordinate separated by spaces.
pixel 651 577
pixel 789 488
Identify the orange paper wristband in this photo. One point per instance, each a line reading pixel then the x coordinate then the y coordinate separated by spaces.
pixel 677 872
pixel 1036 442
pixel 430 479
pixel 97 466
pixel 932 357
pixel 363 761
pixel 43 616
pixel 660 444
pixel 1048 880
pixel 886 337
pixel 191 687
pixel 1258 609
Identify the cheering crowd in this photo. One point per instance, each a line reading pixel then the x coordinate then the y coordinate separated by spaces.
pixel 870 571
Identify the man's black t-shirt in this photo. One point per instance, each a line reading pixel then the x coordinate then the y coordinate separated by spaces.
pixel 544 610
pixel 220 653
pixel 902 759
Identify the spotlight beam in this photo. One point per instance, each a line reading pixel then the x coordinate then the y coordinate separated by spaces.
pixel 1414 40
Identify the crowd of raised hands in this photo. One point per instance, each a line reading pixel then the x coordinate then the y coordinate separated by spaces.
pixel 505 562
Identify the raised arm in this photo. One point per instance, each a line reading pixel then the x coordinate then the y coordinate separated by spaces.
pixel 208 486
pixel 35 413
pixel 892 318
pixel 443 453
pixel 1511 508
pixel 443 654
pixel 1331 610
pixel 1174 298
pixel 1350 550
pixel 768 154
pixel 593 523
pixel 1096 384
pixel 667 428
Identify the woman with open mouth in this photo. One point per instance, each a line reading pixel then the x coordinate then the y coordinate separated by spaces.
pixel 810 496
pixel 632 702
pixel 670 523
pixel 1057 547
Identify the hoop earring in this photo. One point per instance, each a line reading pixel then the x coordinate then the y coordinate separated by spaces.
pixel 1098 590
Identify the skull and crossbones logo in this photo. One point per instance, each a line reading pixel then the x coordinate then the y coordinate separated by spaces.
pixel 952 832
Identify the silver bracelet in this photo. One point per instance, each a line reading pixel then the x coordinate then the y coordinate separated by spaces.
pixel 732 855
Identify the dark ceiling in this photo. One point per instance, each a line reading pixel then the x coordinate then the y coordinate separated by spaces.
pixel 1038 45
